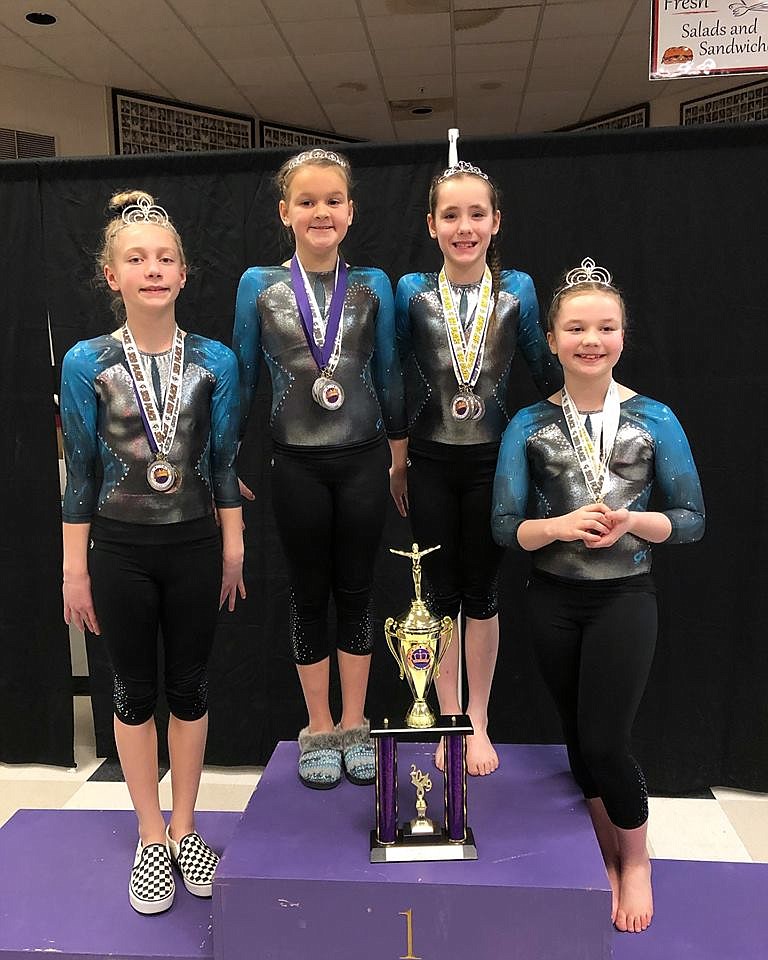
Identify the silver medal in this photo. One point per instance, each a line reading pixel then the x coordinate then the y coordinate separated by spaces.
pixel 328 393
pixel 162 476
pixel 463 406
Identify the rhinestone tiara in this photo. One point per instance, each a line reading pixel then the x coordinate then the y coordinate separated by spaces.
pixel 143 211
pixel 587 272
pixel 317 154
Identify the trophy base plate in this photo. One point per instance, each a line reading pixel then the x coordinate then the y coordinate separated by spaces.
pixel 423 847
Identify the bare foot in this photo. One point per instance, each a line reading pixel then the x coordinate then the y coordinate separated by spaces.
pixel 439 755
pixel 635 898
pixel 612 869
pixel 482 759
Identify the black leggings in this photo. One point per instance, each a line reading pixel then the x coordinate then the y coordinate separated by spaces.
pixel 450 501
pixel 148 576
pixel 594 641
pixel 329 507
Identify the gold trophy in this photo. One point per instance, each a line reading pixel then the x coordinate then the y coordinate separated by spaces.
pixel 422 825
pixel 418 641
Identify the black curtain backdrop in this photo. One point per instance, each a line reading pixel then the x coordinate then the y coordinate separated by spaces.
pixel 36 723
pixel 679 217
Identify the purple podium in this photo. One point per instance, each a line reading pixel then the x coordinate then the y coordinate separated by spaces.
pixel 296 881
pixel 64 890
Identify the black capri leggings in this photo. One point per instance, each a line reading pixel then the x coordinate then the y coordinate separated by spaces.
pixel 329 507
pixel 594 641
pixel 449 492
pixel 145 576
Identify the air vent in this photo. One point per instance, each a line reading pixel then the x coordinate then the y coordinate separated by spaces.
pixel 21 145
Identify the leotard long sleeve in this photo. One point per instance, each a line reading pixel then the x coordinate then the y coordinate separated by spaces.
pixel 107 451
pixel 538 476
pixel 428 369
pixel 267 322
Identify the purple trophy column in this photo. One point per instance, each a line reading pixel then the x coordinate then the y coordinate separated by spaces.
pixel 455 788
pixel 386 789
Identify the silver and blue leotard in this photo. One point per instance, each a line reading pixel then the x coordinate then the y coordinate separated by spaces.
pixel 106 448
pixel 452 463
pixel 428 369
pixel 330 480
pixel 267 323
pixel 538 476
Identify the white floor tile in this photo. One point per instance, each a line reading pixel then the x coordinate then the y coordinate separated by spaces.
pixel 693 830
pixel 100 796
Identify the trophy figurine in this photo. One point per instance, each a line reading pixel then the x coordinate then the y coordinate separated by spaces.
pixel 421 826
pixel 418 641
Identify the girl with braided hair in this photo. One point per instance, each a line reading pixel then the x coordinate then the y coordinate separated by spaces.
pixel 457 333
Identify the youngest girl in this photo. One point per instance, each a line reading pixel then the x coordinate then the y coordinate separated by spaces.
pixel 588 458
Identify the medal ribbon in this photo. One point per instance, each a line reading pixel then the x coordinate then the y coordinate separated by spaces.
pixel 466 353
pixel 323 338
pixel 160 428
pixel 594 467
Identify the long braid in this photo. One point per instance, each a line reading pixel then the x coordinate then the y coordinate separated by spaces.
pixel 494 264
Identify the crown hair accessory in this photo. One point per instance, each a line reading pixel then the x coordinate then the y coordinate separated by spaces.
pixel 587 272
pixel 317 154
pixel 143 211
pixel 461 167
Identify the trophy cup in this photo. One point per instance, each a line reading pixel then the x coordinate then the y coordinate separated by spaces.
pixel 418 641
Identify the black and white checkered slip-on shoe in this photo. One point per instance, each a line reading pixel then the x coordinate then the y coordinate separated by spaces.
pixel 151 887
pixel 196 862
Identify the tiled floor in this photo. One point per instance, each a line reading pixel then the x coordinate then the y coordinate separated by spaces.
pixel 732 825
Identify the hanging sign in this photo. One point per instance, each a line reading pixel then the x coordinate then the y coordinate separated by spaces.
pixel 708 38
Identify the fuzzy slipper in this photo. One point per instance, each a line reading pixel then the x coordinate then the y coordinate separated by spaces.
pixel 359 754
pixel 320 760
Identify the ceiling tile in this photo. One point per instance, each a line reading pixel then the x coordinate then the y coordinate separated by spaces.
pixel 477 84
pixel 493 56
pixel 219 13
pixel 428 128
pixel 117 17
pixel 352 94
pixel 429 62
pixel 314 36
pixel 594 17
pixel 263 95
pixel 232 43
pixel 270 71
pixel 224 97
pixel 569 76
pixel 302 113
pixel 403 33
pixel 640 19
pixel 589 51
pixel 496 26
pixel 387 8
pixel 354 66
pixel 489 123
pixel 542 111
pixel 286 11
pixel 19 55
pixel 416 88
pixel 105 64
pixel 70 22
pixel 493 4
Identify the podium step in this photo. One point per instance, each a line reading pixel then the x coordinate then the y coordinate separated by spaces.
pixel 296 878
pixel 703 911
pixel 64 890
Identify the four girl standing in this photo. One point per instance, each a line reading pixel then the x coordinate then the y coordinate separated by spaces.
pixel 457 333
pixel 150 418
pixel 573 484
pixel 327 333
